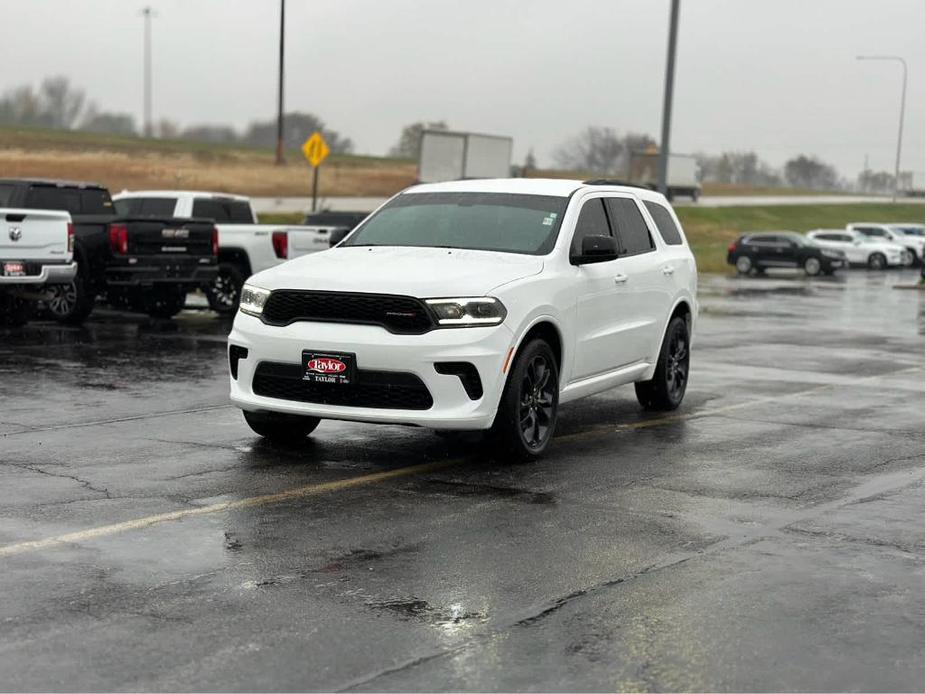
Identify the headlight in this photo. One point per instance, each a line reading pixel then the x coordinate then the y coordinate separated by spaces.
pixel 483 310
pixel 253 299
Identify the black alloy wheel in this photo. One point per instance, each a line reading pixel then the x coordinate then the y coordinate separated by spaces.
pixel 537 402
pixel 665 391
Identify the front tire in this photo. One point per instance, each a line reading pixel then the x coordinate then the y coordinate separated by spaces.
pixel 526 418
pixel 876 261
pixel 15 311
pixel 164 303
pixel 812 266
pixel 289 429
pixel 666 390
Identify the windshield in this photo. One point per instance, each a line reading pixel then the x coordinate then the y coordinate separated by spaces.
pixel 477 221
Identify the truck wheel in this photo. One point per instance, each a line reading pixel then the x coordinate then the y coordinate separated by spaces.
pixel 812 266
pixel 666 389
pixel 15 311
pixel 165 302
pixel 281 428
pixel 70 303
pixel 526 418
pixel 225 291
pixel 876 261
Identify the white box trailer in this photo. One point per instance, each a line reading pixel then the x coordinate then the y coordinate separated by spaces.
pixel 450 156
pixel 682 173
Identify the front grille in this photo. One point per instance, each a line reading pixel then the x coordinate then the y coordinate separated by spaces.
pixel 397 314
pixel 390 390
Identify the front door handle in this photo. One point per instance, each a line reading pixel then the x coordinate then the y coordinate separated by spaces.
pixel 620 279
pixel 668 269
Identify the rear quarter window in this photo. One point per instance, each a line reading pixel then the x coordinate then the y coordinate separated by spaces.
pixel 665 224
pixel 146 207
pixel 6 194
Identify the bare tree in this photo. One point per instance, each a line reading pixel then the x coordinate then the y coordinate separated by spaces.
pixel 597 149
pixel 809 172
pixel 409 142
pixel 62 103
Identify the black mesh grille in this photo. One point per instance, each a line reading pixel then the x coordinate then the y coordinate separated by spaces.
pixel 397 314
pixel 389 390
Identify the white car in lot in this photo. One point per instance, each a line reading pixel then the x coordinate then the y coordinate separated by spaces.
pixel 472 305
pixel 886 232
pixel 861 250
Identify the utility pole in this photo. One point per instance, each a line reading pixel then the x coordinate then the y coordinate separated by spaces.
pixel 147 13
pixel 664 146
pixel 279 111
pixel 902 114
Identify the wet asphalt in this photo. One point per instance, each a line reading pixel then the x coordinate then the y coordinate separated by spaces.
pixel 767 536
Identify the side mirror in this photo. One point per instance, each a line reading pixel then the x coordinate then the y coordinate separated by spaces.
pixel 596 249
pixel 857 242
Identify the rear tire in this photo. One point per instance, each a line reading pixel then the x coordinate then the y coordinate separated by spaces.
pixel 164 302
pixel 526 419
pixel 71 303
pixel 225 291
pixel 288 429
pixel 666 390
pixel 876 261
pixel 744 265
pixel 812 266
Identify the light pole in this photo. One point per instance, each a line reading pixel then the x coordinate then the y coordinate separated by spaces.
pixel 147 13
pixel 666 105
pixel 902 113
pixel 279 111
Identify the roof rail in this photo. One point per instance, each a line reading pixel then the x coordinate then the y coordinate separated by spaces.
pixel 614 182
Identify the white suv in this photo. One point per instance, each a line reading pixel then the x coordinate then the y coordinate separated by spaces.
pixel 859 249
pixel 472 305
pixel 886 232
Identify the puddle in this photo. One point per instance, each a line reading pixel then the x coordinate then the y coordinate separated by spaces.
pixel 412 609
pixel 464 489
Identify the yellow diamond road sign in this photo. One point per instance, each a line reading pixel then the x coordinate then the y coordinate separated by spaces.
pixel 315 149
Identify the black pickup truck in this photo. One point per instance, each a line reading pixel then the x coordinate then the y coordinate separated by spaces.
pixel 138 263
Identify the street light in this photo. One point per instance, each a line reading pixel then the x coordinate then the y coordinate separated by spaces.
pixel 666 104
pixel 279 110
pixel 902 112
pixel 147 13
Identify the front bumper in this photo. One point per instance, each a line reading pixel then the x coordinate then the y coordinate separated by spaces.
pixel 192 272
pixel 376 349
pixel 60 273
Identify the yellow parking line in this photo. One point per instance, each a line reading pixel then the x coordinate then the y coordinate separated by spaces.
pixel 339 485
pixel 296 493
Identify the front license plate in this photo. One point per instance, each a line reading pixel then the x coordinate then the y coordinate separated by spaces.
pixel 14 270
pixel 327 367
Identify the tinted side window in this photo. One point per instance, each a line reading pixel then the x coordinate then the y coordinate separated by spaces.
pixel 50 198
pixel 665 223
pixel 207 207
pixel 592 221
pixel 629 226
pixel 239 212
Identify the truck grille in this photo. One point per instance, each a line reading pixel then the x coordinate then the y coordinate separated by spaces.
pixel 390 390
pixel 397 314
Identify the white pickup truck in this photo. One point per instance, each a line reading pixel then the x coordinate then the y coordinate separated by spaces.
pixel 36 249
pixel 244 246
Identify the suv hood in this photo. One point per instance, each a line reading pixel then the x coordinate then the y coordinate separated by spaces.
pixel 411 271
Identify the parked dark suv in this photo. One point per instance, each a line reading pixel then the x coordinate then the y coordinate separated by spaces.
pixel 757 252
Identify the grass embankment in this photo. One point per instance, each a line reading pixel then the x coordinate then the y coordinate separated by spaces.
pixel 711 229
pixel 134 163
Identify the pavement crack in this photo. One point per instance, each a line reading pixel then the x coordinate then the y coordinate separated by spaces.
pixel 914 548
pixel 86 484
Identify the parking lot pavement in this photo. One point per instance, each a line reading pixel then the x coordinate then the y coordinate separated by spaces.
pixel 767 536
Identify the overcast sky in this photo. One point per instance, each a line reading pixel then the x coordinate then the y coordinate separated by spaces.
pixel 776 76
